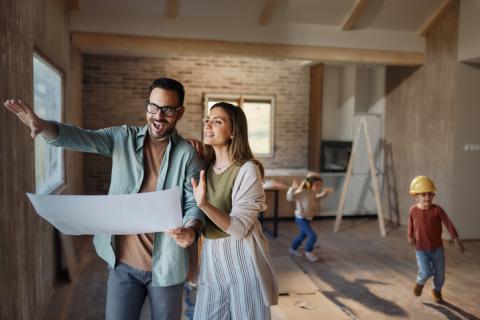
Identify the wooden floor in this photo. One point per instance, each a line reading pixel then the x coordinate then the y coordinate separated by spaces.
pixel 368 276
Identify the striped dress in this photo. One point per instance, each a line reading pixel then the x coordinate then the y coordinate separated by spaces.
pixel 229 287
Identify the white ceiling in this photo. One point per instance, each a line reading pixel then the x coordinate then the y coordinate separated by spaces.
pixel 384 24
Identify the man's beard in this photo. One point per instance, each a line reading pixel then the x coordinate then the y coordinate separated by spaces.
pixel 166 133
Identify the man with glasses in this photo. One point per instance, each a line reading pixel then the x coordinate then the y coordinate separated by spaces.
pixel 144 159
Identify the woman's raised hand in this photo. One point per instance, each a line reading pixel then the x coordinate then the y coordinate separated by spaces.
pixel 25 113
pixel 200 190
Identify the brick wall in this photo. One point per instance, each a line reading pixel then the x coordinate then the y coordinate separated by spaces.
pixel 114 89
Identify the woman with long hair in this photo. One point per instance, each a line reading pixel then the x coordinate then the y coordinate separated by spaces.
pixel 236 278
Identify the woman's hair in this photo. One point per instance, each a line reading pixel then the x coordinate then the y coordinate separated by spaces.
pixel 238 148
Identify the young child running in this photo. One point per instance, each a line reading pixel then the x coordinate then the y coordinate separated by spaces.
pixel 306 196
pixel 425 233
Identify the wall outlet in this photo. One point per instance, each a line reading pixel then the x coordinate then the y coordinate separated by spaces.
pixel 472 147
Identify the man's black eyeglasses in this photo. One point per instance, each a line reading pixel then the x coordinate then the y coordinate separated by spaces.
pixel 167 111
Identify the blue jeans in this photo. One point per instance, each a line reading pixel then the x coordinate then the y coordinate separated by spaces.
pixel 126 291
pixel 305 231
pixel 431 263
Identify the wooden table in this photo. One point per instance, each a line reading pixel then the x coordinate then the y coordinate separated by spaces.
pixel 275 187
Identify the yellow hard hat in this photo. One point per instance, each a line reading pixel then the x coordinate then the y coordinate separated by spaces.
pixel 422 184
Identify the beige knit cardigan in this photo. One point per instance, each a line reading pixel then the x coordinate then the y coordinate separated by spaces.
pixel 248 200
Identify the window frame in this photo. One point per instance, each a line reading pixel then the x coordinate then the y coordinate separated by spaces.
pixel 240 99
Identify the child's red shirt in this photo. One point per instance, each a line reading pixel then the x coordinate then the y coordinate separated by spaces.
pixel 425 225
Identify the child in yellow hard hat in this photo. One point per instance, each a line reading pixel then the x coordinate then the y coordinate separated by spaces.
pixel 425 233
pixel 306 196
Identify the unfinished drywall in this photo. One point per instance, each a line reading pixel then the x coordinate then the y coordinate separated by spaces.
pixel 469 37
pixel 466 157
pixel 420 118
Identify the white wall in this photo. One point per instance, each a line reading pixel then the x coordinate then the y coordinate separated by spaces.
pixel 331 102
pixel 469 31
pixel 363 88
pixel 350 89
pixel 347 90
pixel 370 89
pixel 465 212
pixel 338 102
pixel 377 103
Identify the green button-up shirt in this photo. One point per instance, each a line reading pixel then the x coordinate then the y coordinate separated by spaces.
pixel 125 146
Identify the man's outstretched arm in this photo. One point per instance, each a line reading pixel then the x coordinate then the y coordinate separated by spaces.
pixel 29 118
pixel 63 135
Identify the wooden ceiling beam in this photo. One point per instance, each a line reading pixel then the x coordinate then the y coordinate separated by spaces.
pixel 436 17
pixel 101 43
pixel 354 15
pixel 267 11
pixel 172 8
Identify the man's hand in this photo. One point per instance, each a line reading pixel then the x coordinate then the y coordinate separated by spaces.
pixel 411 241
pixel 182 236
pixel 29 118
pixel 25 114
pixel 198 145
pixel 458 244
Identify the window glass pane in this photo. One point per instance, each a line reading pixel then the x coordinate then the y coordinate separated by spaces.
pixel 47 102
pixel 259 115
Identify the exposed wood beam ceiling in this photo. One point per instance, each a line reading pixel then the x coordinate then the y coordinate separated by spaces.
pixel 355 14
pixel 436 17
pixel 172 8
pixel 100 43
pixel 267 11
pixel 74 4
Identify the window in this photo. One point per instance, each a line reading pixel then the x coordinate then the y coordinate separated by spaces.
pixel 48 104
pixel 259 111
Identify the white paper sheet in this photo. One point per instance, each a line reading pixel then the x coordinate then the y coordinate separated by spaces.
pixel 113 214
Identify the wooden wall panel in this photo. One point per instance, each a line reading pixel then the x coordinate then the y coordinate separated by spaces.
pixel 28 260
pixel 17 165
pixel 420 105
pixel 315 121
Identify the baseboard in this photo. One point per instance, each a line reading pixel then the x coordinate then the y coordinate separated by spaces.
pixel 347 217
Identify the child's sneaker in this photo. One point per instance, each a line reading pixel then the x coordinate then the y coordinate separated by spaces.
pixel 437 296
pixel 417 290
pixel 311 256
pixel 295 252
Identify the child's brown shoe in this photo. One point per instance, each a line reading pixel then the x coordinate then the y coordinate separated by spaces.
pixel 437 296
pixel 417 290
